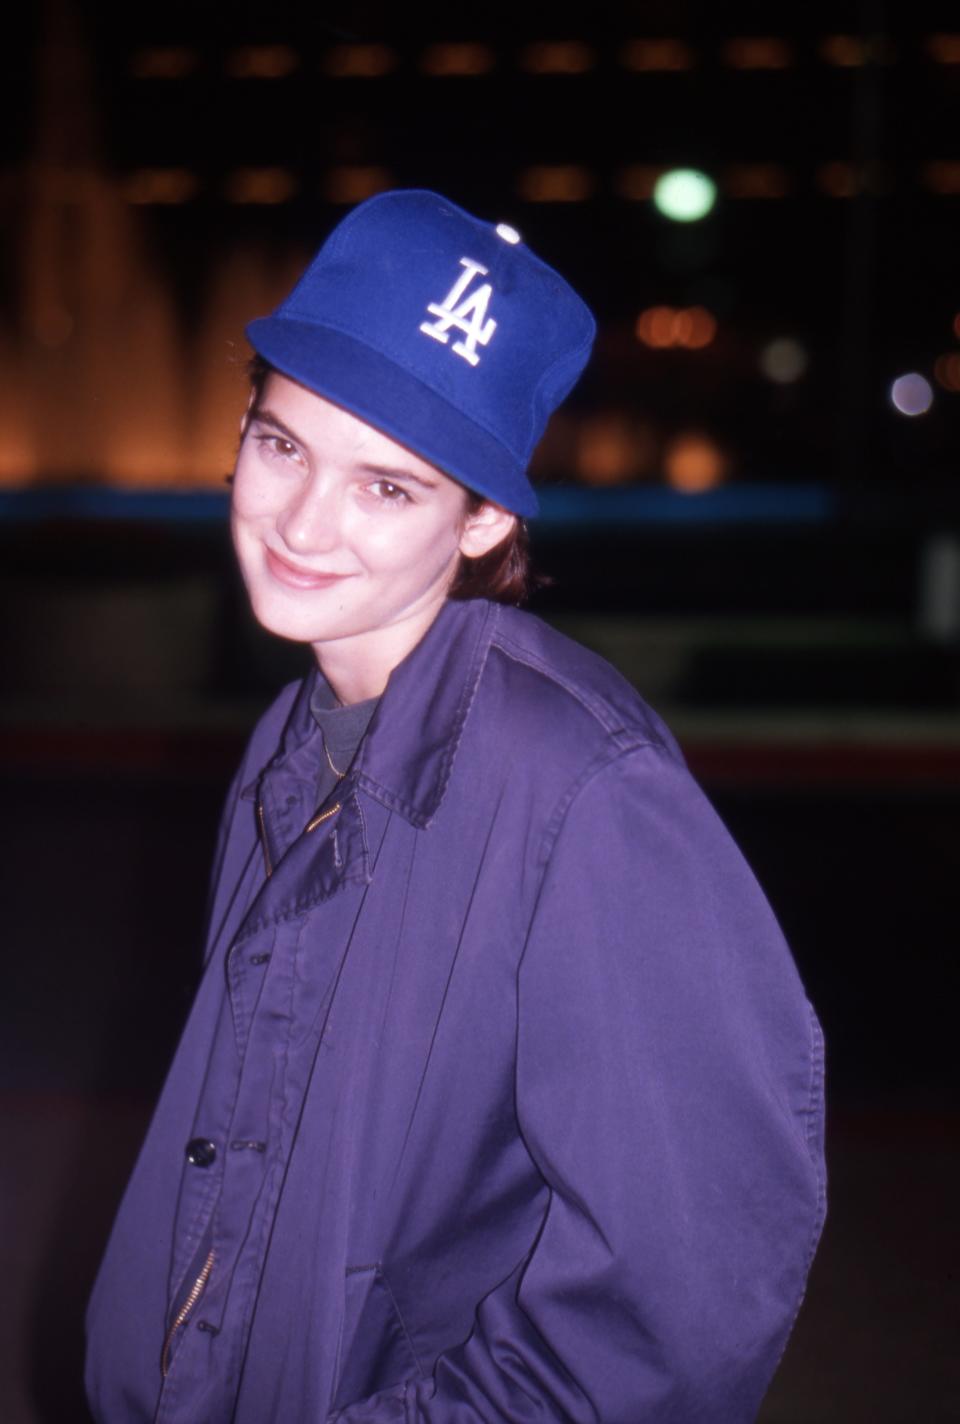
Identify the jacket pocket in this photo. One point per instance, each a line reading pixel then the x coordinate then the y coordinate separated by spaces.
pixel 375 1349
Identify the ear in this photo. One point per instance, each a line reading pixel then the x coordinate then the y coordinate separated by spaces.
pixel 485 528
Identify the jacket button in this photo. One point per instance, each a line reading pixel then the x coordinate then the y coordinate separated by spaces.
pixel 201 1152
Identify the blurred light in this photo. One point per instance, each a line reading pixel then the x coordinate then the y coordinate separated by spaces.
pixel 946 369
pixel 944 49
pixel 843 51
pixel 684 194
pixel 508 233
pixel 757 52
pixel 839 180
pixel 359 61
pixel 53 325
pixel 638 181
pixel 655 327
pixel 912 394
pixel 260 185
pixel 261 62
pixel 352 184
pixel 784 360
pixel 163 62
pixel 611 448
pixel 446 60
pixel 666 55
pixel 557 57
pixel 160 185
pixel 662 327
pixel 854 51
pixel 556 183
pixel 942 176
pixel 755 180
pixel 694 463
pixel 956 326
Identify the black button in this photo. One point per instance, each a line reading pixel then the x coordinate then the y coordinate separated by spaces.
pixel 201 1152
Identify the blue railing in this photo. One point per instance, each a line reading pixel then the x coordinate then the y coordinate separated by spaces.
pixel 563 507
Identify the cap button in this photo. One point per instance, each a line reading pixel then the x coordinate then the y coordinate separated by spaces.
pixel 201 1152
pixel 508 233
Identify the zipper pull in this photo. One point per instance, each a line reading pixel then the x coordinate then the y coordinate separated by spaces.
pixel 268 866
pixel 196 1291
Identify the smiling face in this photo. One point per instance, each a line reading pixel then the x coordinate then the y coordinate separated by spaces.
pixel 346 540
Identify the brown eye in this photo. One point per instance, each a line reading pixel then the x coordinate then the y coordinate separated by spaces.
pixel 389 492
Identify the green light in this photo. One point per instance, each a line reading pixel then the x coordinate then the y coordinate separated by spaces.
pixel 684 194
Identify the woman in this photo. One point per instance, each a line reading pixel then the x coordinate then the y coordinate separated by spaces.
pixel 500 1098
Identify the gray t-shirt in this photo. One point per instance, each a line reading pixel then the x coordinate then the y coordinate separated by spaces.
pixel 342 729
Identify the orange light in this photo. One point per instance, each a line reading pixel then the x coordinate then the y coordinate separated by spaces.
pixel 161 186
pixel 693 463
pixel 946 369
pixel 755 180
pixel 664 327
pixel 701 328
pixel 359 61
pixel 462 60
pixel 637 182
pixel 942 176
pixel 352 184
pixel 265 186
pixel 555 183
pixel 557 57
pixel 944 49
pixel 839 180
pixel 843 51
pixel 163 62
pixel 650 56
pixel 757 52
pixel 603 450
pixel 261 62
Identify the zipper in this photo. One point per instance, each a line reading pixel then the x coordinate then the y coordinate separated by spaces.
pixel 263 840
pixel 323 816
pixel 196 1291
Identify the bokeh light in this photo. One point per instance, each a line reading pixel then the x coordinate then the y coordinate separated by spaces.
pixel 911 394
pixel 684 194
pixel 694 463
pixel 784 360
pixel 946 369
pixel 689 327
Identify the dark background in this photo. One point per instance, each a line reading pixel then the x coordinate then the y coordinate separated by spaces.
pixel 775 564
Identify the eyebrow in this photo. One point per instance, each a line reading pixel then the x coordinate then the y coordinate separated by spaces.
pixel 267 417
pixel 393 473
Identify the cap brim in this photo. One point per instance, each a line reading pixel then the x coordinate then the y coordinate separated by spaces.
pixel 385 395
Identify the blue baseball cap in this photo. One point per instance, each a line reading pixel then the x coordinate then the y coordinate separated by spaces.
pixel 443 331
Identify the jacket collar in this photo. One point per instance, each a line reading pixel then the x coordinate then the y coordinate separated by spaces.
pixel 406 758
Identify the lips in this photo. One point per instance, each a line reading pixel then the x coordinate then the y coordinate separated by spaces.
pixel 295 577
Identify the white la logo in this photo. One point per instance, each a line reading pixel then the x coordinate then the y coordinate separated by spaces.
pixel 470 316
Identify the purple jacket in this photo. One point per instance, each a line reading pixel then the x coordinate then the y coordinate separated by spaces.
pixel 502 1095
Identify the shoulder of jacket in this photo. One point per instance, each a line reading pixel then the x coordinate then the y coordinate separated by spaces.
pixel 268 731
pixel 568 686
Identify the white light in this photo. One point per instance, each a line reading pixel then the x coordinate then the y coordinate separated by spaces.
pixel 508 233
pixel 783 360
pixel 684 194
pixel 911 394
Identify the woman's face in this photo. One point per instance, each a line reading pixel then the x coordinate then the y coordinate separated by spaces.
pixel 346 540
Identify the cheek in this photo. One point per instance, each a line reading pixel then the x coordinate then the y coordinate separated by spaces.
pixel 255 492
pixel 417 550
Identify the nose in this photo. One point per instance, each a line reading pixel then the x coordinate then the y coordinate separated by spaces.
pixel 309 521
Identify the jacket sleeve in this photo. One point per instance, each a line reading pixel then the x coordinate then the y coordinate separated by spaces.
pixel 669 1089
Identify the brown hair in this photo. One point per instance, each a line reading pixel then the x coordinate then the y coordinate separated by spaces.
pixel 502 575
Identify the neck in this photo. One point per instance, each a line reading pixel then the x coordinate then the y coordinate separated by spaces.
pixel 359 668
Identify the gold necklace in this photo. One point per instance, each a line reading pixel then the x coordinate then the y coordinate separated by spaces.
pixel 337 773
